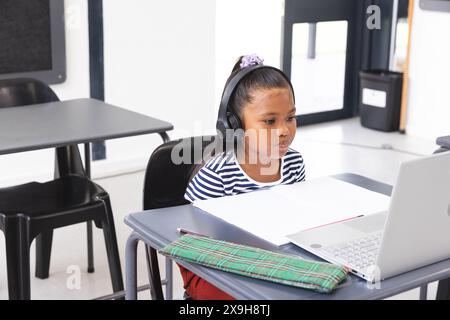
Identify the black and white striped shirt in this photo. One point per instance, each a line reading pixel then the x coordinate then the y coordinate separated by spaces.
pixel 222 175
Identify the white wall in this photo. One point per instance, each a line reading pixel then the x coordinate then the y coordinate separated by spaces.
pixel 159 61
pixel 246 27
pixel 428 113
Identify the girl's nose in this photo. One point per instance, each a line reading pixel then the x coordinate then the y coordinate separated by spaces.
pixel 283 130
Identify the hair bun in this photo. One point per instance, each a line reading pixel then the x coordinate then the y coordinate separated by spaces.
pixel 250 60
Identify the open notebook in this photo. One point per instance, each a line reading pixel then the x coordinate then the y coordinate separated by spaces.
pixel 273 213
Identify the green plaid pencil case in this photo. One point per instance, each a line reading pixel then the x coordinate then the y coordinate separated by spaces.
pixel 257 263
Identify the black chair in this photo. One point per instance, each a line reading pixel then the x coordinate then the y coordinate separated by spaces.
pixel 443 292
pixel 33 210
pixel 165 184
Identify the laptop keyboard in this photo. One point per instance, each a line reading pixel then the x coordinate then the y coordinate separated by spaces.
pixel 360 253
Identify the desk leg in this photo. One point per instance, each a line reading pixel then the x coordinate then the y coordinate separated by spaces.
pixel 169 278
pixel 423 292
pixel 130 267
pixel 90 241
pixel 169 274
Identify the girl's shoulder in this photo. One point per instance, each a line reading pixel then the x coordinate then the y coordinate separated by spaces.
pixel 293 166
pixel 293 160
pixel 292 153
pixel 219 161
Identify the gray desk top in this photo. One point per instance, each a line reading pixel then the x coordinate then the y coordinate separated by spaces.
pixel 70 122
pixel 158 228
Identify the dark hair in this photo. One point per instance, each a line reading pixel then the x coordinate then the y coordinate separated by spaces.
pixel 264 78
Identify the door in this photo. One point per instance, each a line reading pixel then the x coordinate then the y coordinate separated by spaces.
pixel 321 54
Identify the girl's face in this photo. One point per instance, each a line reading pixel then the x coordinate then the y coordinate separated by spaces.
pixel 269 123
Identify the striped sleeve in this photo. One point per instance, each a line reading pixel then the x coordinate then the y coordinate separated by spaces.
pixel 301 170
pixel 301 176
pixel 294 167
pixel 206 184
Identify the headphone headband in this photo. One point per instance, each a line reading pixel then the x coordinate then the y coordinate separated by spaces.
pixel 223 119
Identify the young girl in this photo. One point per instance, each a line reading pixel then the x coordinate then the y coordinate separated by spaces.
pixel 264 103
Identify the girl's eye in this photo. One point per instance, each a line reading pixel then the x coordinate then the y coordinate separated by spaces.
pixel 269 121
pixel 291 118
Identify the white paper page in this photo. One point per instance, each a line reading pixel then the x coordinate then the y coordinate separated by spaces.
pixel 273 213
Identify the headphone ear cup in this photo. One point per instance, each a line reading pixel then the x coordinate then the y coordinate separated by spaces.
pixel 235 124
pixel 234 121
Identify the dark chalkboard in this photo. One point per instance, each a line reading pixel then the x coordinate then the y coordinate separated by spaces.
pixel 32 39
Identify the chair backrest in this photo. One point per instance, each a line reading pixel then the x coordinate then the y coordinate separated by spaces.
pixel 166 180
pixel 443 143
pixel 24 91
pixel 27 91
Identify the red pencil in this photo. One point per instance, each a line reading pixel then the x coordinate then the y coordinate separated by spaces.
pixel 327 224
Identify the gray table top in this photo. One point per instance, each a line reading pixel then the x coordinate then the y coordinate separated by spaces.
pixel 158 228
pixel 76 121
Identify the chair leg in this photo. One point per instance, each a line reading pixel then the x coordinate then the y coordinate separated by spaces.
pixel 111 248
pixel 153 273
pixel 43 253
pixel 443 292
pixel 90 247
pixel 17 258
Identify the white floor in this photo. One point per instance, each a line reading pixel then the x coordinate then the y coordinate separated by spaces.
pixel 336 147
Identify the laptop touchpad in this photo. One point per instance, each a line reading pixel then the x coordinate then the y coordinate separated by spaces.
pixel 368 224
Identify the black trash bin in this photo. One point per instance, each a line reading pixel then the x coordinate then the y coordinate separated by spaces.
pixel 380 99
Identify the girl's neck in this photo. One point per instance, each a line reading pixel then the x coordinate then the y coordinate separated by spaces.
pixel 261 171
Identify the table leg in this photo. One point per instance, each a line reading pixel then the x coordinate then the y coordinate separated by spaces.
pixel 90 240
pixel 423 292
pixel 130 267
pixel 169 278
pixel 169 274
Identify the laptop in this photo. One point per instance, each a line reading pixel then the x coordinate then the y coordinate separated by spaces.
pixel 414 232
